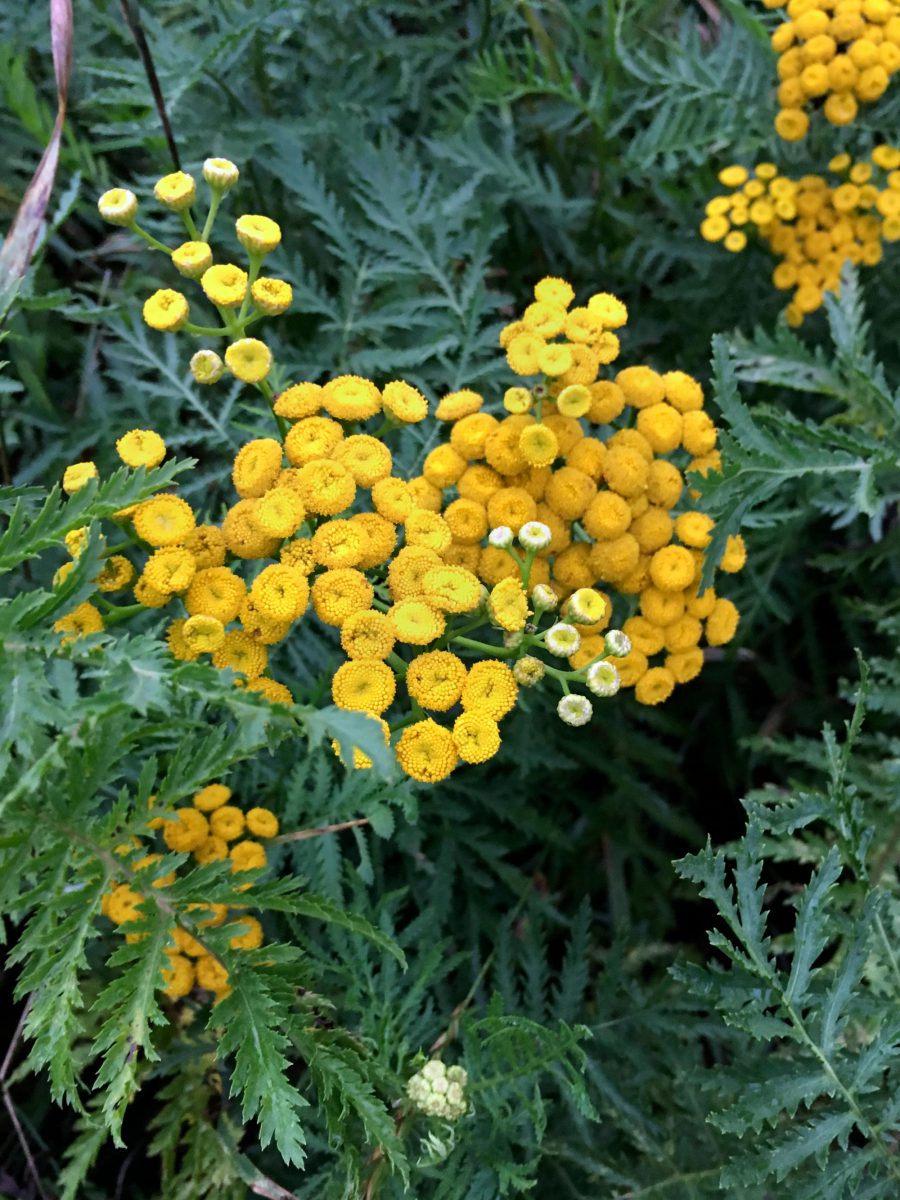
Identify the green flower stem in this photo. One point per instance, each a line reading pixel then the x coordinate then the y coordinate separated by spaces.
pixel 380 605
pixel 149 238
pixel 398 664
pixel 396 726
pixel 525 567
pixel 256 261
pixel 189 225
pixel 119 612
pixel 232 330
pixel 517 558
pixel 211 215
pixel 203 330
pixel 564 675
pixel 484 648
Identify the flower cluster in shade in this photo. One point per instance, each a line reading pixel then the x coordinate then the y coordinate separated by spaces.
pixel 240 296
pixel 213 828
pixel 832 56
pixel 813 225
pixel 439 1091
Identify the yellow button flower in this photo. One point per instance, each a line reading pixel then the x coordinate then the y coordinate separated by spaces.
pixel 77 475
pixel 192 259
pixel 249 360
pixel 225 285
pixel 259 235
pixel 118 206
pixel 427 752
pixel 166 310
pixel 177 191
pixel 141 448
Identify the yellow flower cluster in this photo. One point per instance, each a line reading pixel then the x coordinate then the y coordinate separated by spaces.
pixel 211 829
pixel 512 521
pixel 833 54
pixel 813 225
pixel 240 297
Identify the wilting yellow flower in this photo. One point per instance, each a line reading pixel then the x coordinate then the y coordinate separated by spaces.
pixel 249 359
pixel 77 475
pixel 259 235
pixel 117 573
pixel 166 310
pixel 141 448
pixel 118 206
pixel 176 191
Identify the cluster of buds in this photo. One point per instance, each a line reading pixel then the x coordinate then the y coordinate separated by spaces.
pixel 439 1091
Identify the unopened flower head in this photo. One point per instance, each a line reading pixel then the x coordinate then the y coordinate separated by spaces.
pixel 439 1091
pixel 618 643
pixel 586 606
pixel 603 679
pixel 207 367
pixel 192 259
pixel 575 710
pixel 118 206
pixel 259 235
pixel 512 640
pixel 534 535
pixel 220 173
pixel 501 537
pixel 176 191
pixel 249 359
pixel 563 640
pixel 528 671
pixel 543 598
pixel 517 400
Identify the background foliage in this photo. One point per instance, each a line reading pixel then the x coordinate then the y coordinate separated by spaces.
pixel 427 163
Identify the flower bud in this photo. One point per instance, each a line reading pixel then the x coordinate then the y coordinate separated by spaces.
pixel 543 598
pixel 192 259
pixel 563 640
pixel 501 537
pixel 439 1091
pixel 177 191
pixel 512 640
pixel 517 400
pixel 603 679
pixel 534 535
pixel 220 173
pixel 575 710
pixel 617 643
pixel 586 606
pixel 574 400
pixel 77 475
pixel 259 235
pixel 528 671
pixel 118 206
pixel 207 367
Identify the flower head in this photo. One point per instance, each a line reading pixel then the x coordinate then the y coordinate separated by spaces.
pixel 164 520
pixel 220 173
pixel 617 643
pixel 439 1091
pixel 141 448
pixel 118 206
pixel 207 367
pixel 586 606
pixel 476 736
pixel 427 752
pixel 435 679
pixel 259 235
pixel 225 285
pixel 603 679
pixel 77 475
pixel 249 360
pixel 177 191
pixel 508 604
pixel 528 671
pixel 272 296
pixel 535 535
pixel 191 259
pixel 562 639
pixel 491 687
pixel 575 710
pixel 166 310
pixel 501 537
pixel 364 685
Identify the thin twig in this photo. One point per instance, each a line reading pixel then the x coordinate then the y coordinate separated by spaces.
pixel 301 835
pixel 132 19
pixel 20 1133
pixel 11 1048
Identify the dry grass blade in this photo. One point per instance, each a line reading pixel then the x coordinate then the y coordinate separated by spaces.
pixel 19 245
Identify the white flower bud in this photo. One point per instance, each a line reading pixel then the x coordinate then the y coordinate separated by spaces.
pixel 534 535
pixel 603 679
pixel 617 643
pixel 575 710
pixel 207 367
pixel 220 173
pixel 118 206
pixel 501 537
pixel 439 1091
pixel 543 598
pixel 563 640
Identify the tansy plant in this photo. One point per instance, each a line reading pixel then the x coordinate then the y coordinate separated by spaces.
pixel 814 224
pixel 512 523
